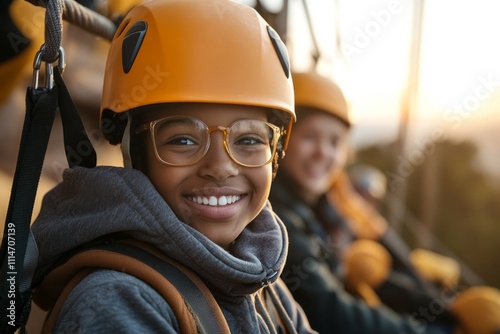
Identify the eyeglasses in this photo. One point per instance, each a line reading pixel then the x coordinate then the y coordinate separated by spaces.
pixel 183 141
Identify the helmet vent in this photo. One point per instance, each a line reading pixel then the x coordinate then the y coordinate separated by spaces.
pixel 280 49
pixel 132 43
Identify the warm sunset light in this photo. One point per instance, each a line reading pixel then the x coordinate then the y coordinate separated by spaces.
pixel 459 73
pixel 308 166
pixel 367 46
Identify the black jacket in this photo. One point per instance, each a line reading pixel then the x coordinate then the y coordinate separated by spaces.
pixel 310 273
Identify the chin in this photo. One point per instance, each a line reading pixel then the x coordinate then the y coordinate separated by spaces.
pixel 317 190
pixel 223 241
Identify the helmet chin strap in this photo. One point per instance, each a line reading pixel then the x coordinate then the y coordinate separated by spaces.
pixel 125 146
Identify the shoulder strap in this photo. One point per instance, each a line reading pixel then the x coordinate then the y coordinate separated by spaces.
pixel 190 299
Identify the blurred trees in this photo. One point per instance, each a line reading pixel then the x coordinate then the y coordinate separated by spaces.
pixel 465 202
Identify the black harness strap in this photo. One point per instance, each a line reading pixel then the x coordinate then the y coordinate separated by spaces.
pixel 19 254
pixel 15 302
pixel 79 149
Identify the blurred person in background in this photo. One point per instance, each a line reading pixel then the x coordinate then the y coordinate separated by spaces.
pixel 338 242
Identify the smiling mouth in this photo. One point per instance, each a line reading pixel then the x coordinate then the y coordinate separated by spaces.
pixel 214 201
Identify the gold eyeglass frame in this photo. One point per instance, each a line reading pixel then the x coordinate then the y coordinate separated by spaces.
pixel 151 125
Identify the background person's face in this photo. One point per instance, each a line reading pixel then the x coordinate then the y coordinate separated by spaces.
pixel 239 192
pixel 316 153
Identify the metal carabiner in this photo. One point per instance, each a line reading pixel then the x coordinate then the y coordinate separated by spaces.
pixel 61 59
pixel 36 67
pixel 49 72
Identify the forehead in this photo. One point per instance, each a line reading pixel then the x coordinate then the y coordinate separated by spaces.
pixel 321 122
pixel 209 113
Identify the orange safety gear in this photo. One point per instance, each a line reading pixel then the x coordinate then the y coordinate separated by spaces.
pixel 197 51
pixel 478 310
pixel 316 91
pixel 368 265
pixel 364 220
pixel 117 9
pixel 436 268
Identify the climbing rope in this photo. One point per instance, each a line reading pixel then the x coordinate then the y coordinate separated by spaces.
pixel 74 13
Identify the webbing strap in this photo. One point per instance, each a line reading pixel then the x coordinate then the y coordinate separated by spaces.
pixel 41 106
pixel 19 253
pixel 79 149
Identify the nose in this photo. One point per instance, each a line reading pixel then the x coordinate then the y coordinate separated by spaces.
pixel 322 147
pixel 325 150
pixel 217 164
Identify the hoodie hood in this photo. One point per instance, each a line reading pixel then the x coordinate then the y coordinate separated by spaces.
pixel 91 203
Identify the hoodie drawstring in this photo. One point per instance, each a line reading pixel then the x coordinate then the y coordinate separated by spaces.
pixel 282 314
pixel 262 311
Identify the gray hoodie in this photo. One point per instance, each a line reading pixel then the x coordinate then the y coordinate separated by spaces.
pixel 91 203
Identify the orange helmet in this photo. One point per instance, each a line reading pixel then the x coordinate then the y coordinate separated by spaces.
pixel 318 92
pixel 209 51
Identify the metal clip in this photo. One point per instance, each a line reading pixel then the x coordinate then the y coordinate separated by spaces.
pixel 49 73
pixel 270 278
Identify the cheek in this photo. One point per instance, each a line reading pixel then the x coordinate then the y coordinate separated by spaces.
pixel 269 179
pixel 164 185
pixel 297 152
pixel 297 149
pixel 261 180
pixel 152 169
pixel 147 156
pixel 341 155
pixel 165 179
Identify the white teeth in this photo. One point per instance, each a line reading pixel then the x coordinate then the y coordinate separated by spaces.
pixel 214 201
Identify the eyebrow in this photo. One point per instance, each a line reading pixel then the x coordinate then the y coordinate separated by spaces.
pixel 181 120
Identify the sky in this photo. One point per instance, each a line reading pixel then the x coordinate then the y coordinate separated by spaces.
pixel 366 46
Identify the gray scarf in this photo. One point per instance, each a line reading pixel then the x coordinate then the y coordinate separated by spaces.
pixel 90 203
